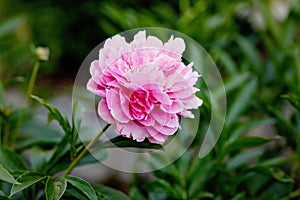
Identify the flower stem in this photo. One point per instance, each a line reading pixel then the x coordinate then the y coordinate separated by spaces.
pixel 31 82
pixel 85 150
pixel 6 133
pixel 26 102
pixel 297 59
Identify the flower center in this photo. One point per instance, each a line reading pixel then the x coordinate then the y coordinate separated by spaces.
pixel 141 104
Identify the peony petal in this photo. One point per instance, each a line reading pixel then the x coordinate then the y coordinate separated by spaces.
pixel 176 46
pixel 113 49
pixel 155 136
pixel 94 67
pixel 159 116
pixel 139 40
pixel 96 88
pixel 175 107
pixel 125 105
pixel 173 121
pixel 153 42
pixel 161 97
pixel 104 112
pixel 154 141
pixel 187 114
pixel 147 121
pixel 192 102
pixel 138 133
pixel 114 104
pixel 164 129
pixel 187 92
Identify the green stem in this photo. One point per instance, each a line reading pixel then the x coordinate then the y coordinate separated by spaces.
pixel 183 187
pixel 6 134
pixel 85 150
pixel 298 67
pixel 31 82
pixel 26 102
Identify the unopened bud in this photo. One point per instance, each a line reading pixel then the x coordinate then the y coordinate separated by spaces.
pixel 42 53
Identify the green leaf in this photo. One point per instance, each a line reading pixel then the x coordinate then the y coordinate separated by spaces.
pixel 49 189
pixel 76 123
pixel 246 126
pixel 239 196
pixel 60 151
pixel 241 102
pixel 83 186
pixel 107 193
pixel 292 195
pixel 242 158
pixel 38 158
pixel 26 180
pixel 236 81
pixel 64 161
pixel 11 161
pixel 247 142
pixel 271 23
pixel 293 99
pixel 135 194
pixel 277 161
pixel 228 62
pixel 250 52
pixel 33 133
pixel 4 198
pixel 55 190
pixel 275 173
pixel 75 192
pixel 10 25
pixel 123 142
pixel 233 83
pixel 13 80
pixel 1 95
pixel 6 176
pixel 55 114
pixel 280 175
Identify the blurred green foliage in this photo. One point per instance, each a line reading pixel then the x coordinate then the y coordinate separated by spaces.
pixel 255 44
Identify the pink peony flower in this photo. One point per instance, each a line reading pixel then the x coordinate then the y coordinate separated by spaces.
pixel 144 86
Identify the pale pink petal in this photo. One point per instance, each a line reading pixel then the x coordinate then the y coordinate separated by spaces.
pixel 125 105
pixel 154 42
pixel 175 107
pixel 95 88
pixel 161 140
pixel 161 97
pixel 135 131
pixel 155 136
pixel 113 49
pixel 160 116
pixel 176 46
pixel 164 129
pixel 104 112
pixel 94 67
pixel 187 113
pixel 139 40
pixel 114 104
pixel 192 102
pixel 147 121
pixel 187 92
pixel 173 121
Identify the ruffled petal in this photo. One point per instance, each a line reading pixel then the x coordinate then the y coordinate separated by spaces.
pixel 131 129
pixel 104 112
pixel 176 46
pixel 114 104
